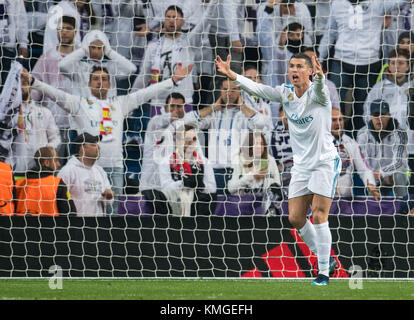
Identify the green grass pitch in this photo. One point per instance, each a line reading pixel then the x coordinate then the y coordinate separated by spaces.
pixel 203 289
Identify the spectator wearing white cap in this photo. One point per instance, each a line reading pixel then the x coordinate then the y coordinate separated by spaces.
pixel 86 181
pixel 384 145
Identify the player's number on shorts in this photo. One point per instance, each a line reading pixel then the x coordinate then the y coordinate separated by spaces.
pixel 355 18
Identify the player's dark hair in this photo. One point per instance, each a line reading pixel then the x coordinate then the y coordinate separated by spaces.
pixel 174 95
pixel 175 8
pixel 301 55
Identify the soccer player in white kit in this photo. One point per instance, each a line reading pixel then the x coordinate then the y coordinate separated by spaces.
pixel 316 162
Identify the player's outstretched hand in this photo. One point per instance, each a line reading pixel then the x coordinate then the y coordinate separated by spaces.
pixel 317 67
pixel 224 67
pixel 181 72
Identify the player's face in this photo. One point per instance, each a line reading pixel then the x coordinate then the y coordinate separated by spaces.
pixel 230 93
pixel 96 50
pixel 66 33
pixel 176 107
pixel 253 75
pixel 337 124
pixel 99 84
pixel 173 21
pixel 380 122
pixel 398 67
pixel 299 72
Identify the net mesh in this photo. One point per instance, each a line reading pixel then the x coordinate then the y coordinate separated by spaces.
pixel 126 153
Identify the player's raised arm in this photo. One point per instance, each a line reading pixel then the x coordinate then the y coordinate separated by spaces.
pixel 251 87
pixel 321 95
pixel 317 67
pixel 66 101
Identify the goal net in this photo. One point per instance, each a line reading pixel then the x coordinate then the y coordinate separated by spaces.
pixel 125 153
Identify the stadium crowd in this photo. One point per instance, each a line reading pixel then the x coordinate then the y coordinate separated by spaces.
pixel 104 98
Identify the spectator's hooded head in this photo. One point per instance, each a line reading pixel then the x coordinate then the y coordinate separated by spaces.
pixel 380 114
pixel 295 37
pixel 287 7
pixel 96 41
pixel 66 31
pixel 174 20
pixel 99 82
pixel 175 104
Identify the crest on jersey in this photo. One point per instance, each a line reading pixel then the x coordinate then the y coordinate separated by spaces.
pixel 290 97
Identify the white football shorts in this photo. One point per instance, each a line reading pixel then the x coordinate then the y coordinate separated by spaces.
pixel 321 181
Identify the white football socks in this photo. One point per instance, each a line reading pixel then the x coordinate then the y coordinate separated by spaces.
pixel 323 245
pixel 308 235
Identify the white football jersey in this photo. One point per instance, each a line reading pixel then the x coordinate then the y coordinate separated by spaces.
pixel 309 119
